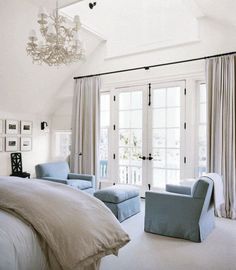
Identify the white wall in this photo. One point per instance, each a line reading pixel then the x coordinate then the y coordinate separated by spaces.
pixel 40 144
pixel 60 121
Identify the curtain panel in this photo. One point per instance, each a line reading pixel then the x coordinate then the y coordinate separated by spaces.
pixel 86 126
pixel 221 131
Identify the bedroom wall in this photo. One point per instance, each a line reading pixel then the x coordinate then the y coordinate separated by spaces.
pixel 60 121
pixel 40 144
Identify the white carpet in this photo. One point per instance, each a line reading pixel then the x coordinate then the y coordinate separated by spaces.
pixel 153 252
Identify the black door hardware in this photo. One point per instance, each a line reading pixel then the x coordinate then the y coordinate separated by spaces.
pixel 150 157
pixel 142 157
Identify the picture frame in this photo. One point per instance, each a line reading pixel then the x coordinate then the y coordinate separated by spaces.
pixel 12 127
pixel 26 127
pixel 1 126
pixel 1 144
pixel 26 144
pixel 11 144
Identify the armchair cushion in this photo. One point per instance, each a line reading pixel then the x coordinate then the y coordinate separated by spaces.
pixel 80 184
pixel 53 179
pixel 85 177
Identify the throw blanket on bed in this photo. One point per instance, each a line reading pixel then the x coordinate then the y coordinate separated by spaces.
pixel 75 228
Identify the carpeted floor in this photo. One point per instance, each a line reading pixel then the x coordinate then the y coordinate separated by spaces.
pixel 153 252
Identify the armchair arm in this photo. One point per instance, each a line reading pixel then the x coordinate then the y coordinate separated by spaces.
pixel 58 180
pixel 187 190
pixel 86 177
pixel 173 206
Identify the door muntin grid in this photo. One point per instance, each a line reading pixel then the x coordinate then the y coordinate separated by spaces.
pixel 130 137
pixel 165 130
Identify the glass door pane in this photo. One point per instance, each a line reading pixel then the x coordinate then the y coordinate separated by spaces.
pixel 104 134
pixel 202 132
pixel 165 135
pixel 130 129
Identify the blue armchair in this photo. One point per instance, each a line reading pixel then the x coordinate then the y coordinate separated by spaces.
pixel 185 212
pixel 59 172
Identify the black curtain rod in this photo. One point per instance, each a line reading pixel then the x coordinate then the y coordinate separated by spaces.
pixel 154 66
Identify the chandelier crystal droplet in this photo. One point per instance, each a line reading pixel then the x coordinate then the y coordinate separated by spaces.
pixel 60 45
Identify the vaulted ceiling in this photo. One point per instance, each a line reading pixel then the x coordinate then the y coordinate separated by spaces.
pixel 139 25
pixel 123 27
pixel 135 26
pixel 24 86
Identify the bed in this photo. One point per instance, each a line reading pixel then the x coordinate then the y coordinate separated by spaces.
pixel 50 226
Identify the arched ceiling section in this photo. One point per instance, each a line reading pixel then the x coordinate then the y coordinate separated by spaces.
pixel 130 27
pixel 26 87
pixel 135 26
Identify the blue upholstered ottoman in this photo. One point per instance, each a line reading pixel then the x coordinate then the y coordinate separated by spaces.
pixel 122 200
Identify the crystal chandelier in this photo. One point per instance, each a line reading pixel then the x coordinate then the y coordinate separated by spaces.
pixel 60 45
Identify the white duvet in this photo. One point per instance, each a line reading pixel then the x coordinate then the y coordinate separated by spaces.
pixel 52 226
pixel 19 245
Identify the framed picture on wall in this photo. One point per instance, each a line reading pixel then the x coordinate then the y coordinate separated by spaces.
pixel 11 144
pixel 1 144
pixel 26 127
pixel 11 127
pixel 1 126
pixel 26 144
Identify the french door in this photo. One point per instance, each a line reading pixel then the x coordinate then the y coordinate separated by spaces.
pixel 166 134
pixel 149 134
pixel 130 138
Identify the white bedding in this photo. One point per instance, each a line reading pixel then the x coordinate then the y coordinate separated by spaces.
pixel 46 225
pixel 19 245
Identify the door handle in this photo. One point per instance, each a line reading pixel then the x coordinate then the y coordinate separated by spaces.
pixel 150 157
pixel 142 157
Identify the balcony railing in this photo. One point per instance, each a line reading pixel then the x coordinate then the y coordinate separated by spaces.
pixel 103 169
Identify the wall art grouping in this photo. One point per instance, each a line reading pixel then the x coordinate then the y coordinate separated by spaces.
pixel 15 135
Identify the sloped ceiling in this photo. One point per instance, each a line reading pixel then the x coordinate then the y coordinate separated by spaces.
pixel 223 11
pixel 27 87
pixel 142 26
pixel 51 3
pixel 139 25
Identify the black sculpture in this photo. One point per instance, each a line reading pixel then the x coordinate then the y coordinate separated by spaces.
pixel 16 166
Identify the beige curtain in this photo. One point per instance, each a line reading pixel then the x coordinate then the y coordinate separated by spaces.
pixel 85 126
pixel 222 127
